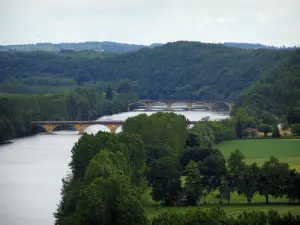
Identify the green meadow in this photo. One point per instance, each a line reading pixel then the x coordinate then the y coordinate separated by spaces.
pixel 260 150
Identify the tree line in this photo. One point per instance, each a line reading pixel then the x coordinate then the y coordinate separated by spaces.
pixel 111 172
pixel 17 111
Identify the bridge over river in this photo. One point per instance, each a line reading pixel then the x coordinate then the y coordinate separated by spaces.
pixel 81 126
pixel 171 105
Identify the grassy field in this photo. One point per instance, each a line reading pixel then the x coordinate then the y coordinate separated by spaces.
pixel 286 150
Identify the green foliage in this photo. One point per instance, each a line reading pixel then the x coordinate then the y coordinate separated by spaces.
pixel 212 168
pixel 236 167
pixel 125 86
pixel 253 133
pixel 87 147
pixel 109 93
pixel 6 130
pixel 194 154
pixel 272 178
pixel 106 164
pixel 217 216
pixel 134 150
pixel 295 128
pixel 248 182
pixel 193 183
pixel 109 201
pixel 165 180
pixel 276 91
pixel 204 136
pixel 206 132
pixel 160 128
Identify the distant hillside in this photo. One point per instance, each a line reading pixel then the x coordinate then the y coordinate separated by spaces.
pixel 277 90
pixel 179 70
pixel 252 46
pixel 111 47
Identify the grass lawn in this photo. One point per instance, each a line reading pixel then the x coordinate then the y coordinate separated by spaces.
pixel 256 150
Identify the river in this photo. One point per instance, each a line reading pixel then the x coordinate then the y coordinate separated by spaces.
pixel 31 170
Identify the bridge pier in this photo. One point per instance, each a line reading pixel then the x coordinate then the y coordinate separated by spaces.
pixel 112 127
pixel 169 104
pixel 148 106
pixel 190 106
pixel 49 128
pixel 81 127
pixel 210 106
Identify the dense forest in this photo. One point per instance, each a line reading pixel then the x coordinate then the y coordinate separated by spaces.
pixel 180 70
pixel 277 91
pixel 17 111
pixel 110 174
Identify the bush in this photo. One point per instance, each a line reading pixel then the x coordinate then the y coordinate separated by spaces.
pixel 253 133
pixel 246 133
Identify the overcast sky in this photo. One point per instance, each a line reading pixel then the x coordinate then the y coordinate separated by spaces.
pixel 271 22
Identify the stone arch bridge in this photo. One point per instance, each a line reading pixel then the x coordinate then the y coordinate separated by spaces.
pixel 190 104
pixel 81 126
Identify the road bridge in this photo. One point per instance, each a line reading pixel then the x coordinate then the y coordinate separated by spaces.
pixel 189 104
pixel 81 126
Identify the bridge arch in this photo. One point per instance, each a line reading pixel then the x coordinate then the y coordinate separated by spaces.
pixel 138 105
pixel 178 105
pixel 95 128
pixel 158 106
pixel 222 106
pixel 201 105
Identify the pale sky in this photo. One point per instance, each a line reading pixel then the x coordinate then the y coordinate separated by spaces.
pixel 271 22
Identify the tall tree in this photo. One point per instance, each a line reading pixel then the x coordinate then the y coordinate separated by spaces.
pixel 165 180
pixel 236 166
pixel 248 182
pixel 239 129
pixel 193 183
pixel 109 93
pixel 272 178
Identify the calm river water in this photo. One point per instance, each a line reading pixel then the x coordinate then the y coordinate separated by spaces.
pixel 31 170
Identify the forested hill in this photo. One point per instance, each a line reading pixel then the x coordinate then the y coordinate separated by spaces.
pixel 277 91
pixel 254 46
pixel 180 70
pixel 104 46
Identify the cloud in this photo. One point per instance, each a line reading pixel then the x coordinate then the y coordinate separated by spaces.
pixel 273 22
